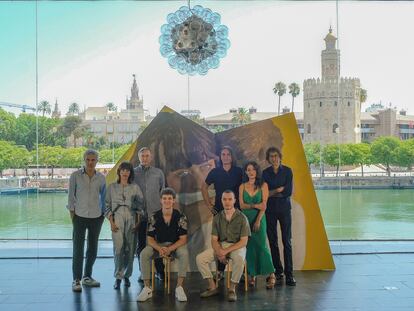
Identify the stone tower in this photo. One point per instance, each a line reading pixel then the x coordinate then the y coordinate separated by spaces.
pixel 331 104
pixel 135 105
pixel 56 112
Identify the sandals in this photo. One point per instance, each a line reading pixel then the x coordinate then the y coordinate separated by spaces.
pixel 252 281
pixel 270 281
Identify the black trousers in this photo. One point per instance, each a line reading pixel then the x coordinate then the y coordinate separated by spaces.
pixel 80 225
pixel 284 217
pixel 142 242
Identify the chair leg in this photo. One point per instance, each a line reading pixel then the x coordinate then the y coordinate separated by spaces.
pixel 245 276
pixel 228 274
pixel 215 278
pixel 152 272
pixel 168 273
pixel 164 262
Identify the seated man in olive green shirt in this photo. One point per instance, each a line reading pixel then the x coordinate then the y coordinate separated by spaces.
pixel 229 236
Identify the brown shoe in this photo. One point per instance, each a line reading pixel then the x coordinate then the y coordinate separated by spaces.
pixel 209 292
pixel 270 281
pixel 232 296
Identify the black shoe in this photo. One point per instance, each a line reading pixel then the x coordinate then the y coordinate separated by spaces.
pixel 160 276
pixel 127 283
pixel 242 278
pixel 290 281
pixel 279 276
pixel 117 284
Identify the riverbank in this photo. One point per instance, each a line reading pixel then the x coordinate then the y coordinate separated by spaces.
pixel 324 183
pixel 48 185
pixel 370 182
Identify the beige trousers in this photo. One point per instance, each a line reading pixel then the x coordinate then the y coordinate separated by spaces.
pixel 181 255
pixel 237 257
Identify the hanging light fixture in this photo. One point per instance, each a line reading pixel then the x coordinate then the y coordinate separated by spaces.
pixel 194 40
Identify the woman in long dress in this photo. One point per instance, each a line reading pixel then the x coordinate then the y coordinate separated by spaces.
pixel 253 194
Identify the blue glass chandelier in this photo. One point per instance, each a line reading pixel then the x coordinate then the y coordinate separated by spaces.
pixel 194 41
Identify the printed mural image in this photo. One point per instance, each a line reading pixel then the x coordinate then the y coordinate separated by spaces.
pixel 186 152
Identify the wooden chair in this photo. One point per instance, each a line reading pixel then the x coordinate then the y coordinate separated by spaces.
pixel 167 269
pixel 228 274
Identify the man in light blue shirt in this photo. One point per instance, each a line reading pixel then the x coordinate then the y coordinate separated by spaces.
pixel 86 205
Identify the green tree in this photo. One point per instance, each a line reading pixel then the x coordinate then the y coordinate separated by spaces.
pixel 105 156
pixel 21 157
pixel 218 129
pixel 6 155
pixel 72 157
pixel 7 125
pixel 44 108
pixel 120 151
pixel 383 151
pixel 361 155
pixel 25 131
pixel 70 123
pixel 73 109
pixel 363 95
pixel 242 116
pixel 337 155
pixel 50 156
pixel 49 132
pixel 313 153
pixel 346 155
pixel 111 107
pixel 79 132
pixel 72 126
pixel 92 141
pixel 294 90
pixel 404 154
pixel 279 90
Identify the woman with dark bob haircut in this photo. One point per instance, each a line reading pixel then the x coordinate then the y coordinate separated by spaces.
pixel 123 209
pixel 253 194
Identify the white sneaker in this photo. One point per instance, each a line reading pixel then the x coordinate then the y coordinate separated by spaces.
pixel 88 281
pixel 180 294
pixel 145 294
pixel 76 286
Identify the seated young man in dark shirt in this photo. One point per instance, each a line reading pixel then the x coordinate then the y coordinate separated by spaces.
pixel 167 234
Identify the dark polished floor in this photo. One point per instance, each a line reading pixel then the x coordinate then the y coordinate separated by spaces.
pixel 361 282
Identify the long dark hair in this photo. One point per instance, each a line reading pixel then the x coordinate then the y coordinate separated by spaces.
pixel 125 166
pixel 258 180
pixel 233 156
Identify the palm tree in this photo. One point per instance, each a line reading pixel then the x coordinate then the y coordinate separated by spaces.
pixel 44 108
pixel 242 116
pixel 88 138
pixel 111 107
pixel 294 90
pixel 279 90
pixel 363 96
pixel 73 109
pixel 78 133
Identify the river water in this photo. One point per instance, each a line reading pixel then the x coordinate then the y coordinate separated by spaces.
pixel 347 214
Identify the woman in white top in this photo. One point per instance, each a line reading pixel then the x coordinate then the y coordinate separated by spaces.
pixel 124 201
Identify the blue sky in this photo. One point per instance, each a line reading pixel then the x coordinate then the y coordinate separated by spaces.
pixel 88 51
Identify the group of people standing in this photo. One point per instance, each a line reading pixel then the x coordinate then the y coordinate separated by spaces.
pixel 247 207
